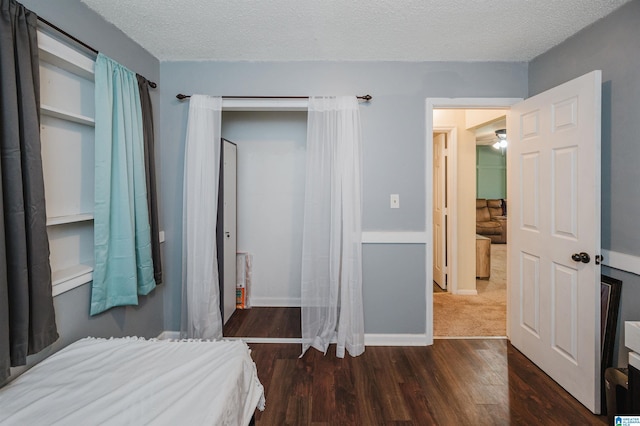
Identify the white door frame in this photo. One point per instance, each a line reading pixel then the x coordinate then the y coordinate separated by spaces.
pixel 431 104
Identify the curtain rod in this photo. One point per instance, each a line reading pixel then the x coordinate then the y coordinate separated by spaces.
pixel 80 42
pixel 180 96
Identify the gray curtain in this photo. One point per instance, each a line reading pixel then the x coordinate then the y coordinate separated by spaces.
pixel 150 171
pixel 27 318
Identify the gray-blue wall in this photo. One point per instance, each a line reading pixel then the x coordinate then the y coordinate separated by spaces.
pixel 611 45
pixel 72 308
pixel 393 127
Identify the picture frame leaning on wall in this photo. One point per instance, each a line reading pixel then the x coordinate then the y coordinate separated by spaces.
pixel 610 289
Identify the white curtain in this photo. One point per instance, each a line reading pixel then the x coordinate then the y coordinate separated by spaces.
pixel 200 290
pixel 332 233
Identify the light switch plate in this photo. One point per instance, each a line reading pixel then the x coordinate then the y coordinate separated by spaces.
pixel 395 201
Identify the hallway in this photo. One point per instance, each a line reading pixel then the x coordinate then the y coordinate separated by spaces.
pixel 471 316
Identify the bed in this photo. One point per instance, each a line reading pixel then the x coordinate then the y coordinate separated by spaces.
pixel 137 381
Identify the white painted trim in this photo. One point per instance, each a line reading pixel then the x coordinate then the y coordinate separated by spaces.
pixel 288 340
pixel 265 104
pixel 66 115
pixel 470 337
pixel 60 54
pixel 281 302
pixel 400 237
pixel 63 287
pixel 369 340
pixel 634 360
pixel 72 218
pixel 431 104
pixel 622 261
pixel 70 278
pixel 395 340
pixel 467 292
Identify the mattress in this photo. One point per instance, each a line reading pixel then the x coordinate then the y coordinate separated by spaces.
pixel 133 381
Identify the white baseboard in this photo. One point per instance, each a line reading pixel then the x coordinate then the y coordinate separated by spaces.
pixel 467 292
pixel 280 302
pixel 369 339
pixel 621 261
pixel 289 340
pixel 395 339
pixel 470 337
pixel 391 237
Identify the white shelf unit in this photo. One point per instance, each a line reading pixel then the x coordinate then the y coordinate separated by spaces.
pixel 67 134
pixel 72 218
pixel 68 116
pixel 70 278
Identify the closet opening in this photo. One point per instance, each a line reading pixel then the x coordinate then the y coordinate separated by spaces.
pixel 270 182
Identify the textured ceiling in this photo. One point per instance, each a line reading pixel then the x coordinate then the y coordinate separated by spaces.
pixel 350 30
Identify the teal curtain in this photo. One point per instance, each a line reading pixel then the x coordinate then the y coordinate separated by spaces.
pixel 123 266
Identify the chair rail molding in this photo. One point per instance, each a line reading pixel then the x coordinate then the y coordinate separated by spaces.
pixel 622 261
pixel 394 237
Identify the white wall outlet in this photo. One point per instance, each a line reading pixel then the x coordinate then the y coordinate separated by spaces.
pixel 395 201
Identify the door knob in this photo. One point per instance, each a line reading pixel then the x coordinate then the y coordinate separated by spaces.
pixel 581 257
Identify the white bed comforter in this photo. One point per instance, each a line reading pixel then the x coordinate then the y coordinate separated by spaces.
pixel 133 381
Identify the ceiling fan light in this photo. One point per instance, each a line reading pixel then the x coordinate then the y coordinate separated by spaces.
pixel 502 143
pixel 502 139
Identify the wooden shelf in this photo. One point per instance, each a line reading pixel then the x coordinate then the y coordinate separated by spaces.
pixel 66 279
pixel 66 115
pixel 73 218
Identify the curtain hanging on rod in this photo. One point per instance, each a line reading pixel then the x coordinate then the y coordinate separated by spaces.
pixel 150 174
pixel 27 317
pixel 122 249
pixel 201 316
pixel 332 306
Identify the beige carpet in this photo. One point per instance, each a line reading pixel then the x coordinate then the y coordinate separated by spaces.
pixel 481 315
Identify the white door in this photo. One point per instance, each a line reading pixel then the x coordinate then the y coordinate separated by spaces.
pixel 554 216
pixel 229 220
pixel 439 231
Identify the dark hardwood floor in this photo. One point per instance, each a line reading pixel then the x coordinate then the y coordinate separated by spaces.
pixel 264 322
pixel 453 382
